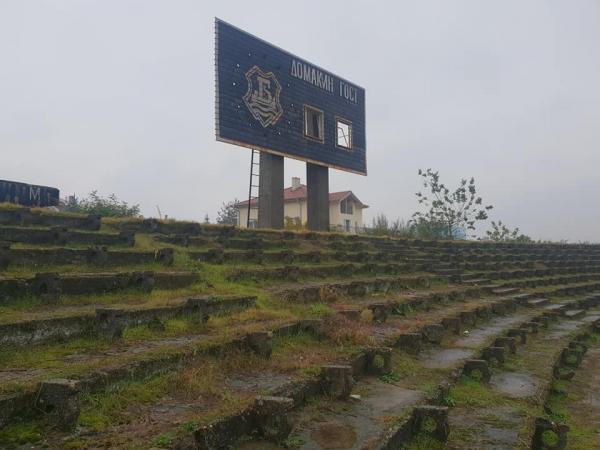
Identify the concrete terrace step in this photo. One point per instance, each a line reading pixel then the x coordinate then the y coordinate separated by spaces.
pixel 574 313
pixel 505 291
pixel 22 217
pixel 61 236
pixel 50 286
pixel 94 255
pixel 476 281
pixel 110 322
pixel 536 302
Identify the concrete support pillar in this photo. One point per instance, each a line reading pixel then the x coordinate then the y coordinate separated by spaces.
pixel 317 185
pixel 270 191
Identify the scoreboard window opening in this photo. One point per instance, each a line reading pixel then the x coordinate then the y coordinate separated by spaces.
pixel 343 134
pixel 314 123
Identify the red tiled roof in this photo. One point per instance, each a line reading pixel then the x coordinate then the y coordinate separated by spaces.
pixel 291 194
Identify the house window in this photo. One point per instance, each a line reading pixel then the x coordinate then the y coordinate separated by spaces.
pixel 313 123
pixel 343 136
pixel 346 206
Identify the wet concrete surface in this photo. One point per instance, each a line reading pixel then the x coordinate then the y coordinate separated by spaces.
pixel 352 424
pixel 262 382
pixel 515 384
pixel 444 358
pixel 563 328
pixel 490 428
pixel 478 335
pixel 357 423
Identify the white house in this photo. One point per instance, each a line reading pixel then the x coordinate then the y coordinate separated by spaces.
pixel 345 209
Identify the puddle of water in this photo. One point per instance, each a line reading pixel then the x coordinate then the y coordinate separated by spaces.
pixel 517 385
pixel 442 359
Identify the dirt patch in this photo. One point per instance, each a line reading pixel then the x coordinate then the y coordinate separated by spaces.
pixel 334 436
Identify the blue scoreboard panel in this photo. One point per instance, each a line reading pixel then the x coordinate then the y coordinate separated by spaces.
pixel 273 101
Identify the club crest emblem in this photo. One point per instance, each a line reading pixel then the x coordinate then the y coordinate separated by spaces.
pixel 262 97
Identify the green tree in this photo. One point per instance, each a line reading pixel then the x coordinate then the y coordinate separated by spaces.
pixel 448 214
pixel 109 206
pixel 228 214
pixel 501 233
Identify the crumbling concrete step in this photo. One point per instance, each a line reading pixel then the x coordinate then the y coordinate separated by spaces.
pixel 574 313
pixel 93 255
pixel 110 322
pixel 294 272
pixel 556 306
pixel 537 302
pixel 23 403
pixel 505 291
pixel 50 286
pixel 448 272
pixel 62 236
pixel 476 281
pixel 318 292
pixel 21 217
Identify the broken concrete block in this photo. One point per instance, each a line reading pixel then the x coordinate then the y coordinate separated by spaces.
pixel 483 312
pixel 109 322
pixel 272 417
pixel 260 342
pixel 468 318
pixel 5 256
pixel 509 342
pixel 91 222
pixel 60 235
pixel 451 324
pixel 477 369
pixel 127 238
pixel 97 255
pixel 579 346
pixel 533 327
pixel 409 342
pixel 164 256
pixel 58 399
pixel 493 354
pixel 431 420
pixel 571 357
pixel 499 308
pixel 558 433
pixel 47 286
pixel 379 360
pixel 337 381
pixel 542 320
pixel 518 333
pixel 433 333
pixel 380 312
pixel 142 280
pixel 155 324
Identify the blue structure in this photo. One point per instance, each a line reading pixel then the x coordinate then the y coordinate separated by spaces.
pixel 270 100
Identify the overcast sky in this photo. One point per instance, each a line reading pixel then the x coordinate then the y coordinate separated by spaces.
pixel 118 96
